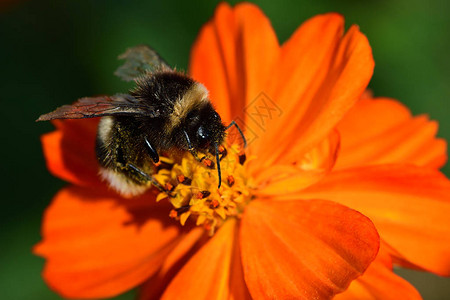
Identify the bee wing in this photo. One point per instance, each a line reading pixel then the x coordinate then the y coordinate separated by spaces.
pixel 91 107
pixel 138 61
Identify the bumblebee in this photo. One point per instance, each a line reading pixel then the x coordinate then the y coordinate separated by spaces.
pixel 167 111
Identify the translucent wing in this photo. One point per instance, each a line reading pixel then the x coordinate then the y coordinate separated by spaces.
pixel 91 107
pixel 138 61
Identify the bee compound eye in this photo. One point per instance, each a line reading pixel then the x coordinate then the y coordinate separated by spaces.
pixel 203 133
pixel 203 136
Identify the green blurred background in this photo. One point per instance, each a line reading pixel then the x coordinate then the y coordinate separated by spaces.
pixel 53 52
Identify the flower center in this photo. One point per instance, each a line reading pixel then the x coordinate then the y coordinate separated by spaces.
pixel 192 187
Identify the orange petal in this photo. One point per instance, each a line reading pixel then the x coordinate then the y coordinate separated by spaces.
pixel 70 151
pixel 234 56
pixel 410 206
pixel 380 282
pixel 210 59
pixel 382 131
pixel 214 272
pixel 155 286
pixel 300 249
pixel 98 245
pixel 301 173
pixel 321 76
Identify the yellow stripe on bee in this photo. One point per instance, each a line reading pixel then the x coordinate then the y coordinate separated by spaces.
pixel 194 98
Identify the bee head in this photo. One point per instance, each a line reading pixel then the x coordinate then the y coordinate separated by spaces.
pixel 204 128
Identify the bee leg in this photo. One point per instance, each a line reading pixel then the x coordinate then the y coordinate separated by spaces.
pixel 223 152
pixel 149 178
pixel 194 154
pixel 151 151
pixel 219 173
pixel 192 149
pixel 233 123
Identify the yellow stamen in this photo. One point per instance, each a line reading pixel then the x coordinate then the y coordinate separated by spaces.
pixel 191 187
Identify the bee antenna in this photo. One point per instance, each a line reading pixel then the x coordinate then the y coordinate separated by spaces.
pixel 233 123
pixel 218 165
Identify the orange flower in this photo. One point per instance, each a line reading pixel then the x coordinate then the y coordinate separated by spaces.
pixel 289 229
